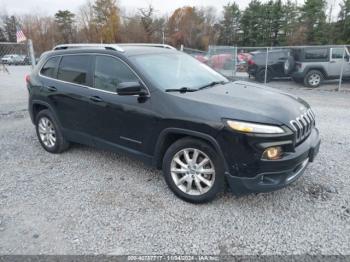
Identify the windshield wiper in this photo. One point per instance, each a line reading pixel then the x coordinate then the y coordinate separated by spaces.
pixel 181 90
pixel 213 84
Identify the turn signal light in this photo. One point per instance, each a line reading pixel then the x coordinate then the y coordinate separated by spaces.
pixel 273 153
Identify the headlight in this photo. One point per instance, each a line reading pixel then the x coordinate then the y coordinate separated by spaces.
pixel 254 128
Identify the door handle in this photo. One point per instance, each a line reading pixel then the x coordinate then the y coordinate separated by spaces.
pixel 332 61
pixel 96 99
pixel 52 88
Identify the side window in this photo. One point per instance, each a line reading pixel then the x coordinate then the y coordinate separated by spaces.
pixel 316 53
pixel 49 69
pixel 75 69
pixel 337 53
pixel 109 72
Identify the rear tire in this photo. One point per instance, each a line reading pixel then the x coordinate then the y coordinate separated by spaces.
pixel 313 78
pixel 49 133
pixel 187 176
pixel 260 76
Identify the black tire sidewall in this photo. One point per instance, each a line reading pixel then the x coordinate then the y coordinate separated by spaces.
pixel 260 77
pixel 60 142
pixel 214 157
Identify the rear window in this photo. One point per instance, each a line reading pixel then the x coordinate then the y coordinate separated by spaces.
pixel 316 53
pixel 49 69
pixel 75 69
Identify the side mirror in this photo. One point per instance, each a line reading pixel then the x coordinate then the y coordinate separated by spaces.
pixel 130 89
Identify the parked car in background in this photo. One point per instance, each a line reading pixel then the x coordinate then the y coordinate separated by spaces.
pixel 11 59
pixel 15 59
pixel 24 60
pixel 275 65
pixel 312 65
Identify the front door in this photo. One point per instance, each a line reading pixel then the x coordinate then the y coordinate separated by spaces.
pixel 336 62
pixel 122 120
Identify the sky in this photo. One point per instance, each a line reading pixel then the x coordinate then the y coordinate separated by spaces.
pixel 50 7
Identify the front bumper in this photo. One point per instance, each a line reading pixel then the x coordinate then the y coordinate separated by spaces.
pixel 280 172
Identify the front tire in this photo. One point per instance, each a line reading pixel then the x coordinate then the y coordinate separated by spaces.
pixel 193 170
pixel 49 133
pixel 313 78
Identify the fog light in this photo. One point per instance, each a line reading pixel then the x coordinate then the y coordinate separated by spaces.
pixel 273 153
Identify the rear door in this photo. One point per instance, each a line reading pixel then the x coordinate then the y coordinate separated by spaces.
pixel 67 91
pixel 337 62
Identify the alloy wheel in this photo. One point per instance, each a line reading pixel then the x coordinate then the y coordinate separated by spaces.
pixel 314 79
pixel 192 171
pixel 47 132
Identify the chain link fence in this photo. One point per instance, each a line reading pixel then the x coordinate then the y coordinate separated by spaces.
pixel 16 54
pixel 309 66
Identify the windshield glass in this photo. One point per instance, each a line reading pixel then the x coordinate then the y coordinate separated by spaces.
pixel 176 70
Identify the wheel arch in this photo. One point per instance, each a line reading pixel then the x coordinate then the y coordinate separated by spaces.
pixel 37 106
pixel 170 135
pixel 318 68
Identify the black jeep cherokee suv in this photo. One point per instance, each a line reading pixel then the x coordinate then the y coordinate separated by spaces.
pixel 173 112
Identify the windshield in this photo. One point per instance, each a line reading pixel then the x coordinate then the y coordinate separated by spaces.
pixel 176 70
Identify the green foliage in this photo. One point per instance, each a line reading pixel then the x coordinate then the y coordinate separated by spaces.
pixel 229 26
pixel 343 24
pixel 313 18
pixel 11 24
pixel 65 23
pixel 107 19
pixel 2 35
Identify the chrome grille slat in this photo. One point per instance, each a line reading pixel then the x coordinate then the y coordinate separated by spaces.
pixel 302 125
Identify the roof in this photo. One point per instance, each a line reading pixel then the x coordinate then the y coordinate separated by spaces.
pixel 127 49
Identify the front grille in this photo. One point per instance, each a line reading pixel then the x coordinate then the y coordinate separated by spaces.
pixel 303 125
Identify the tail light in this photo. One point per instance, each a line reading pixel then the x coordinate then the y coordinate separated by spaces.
pixel 27 78
pixel 298 65
pixel 251 62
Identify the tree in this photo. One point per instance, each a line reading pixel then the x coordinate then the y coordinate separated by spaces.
pixel 343 25
pixel 106 14
pixel 65 24
pixel 313 18
pixel 41 29
pixel 2 35
pixel 277 15
pixel 184 26
pixel 11 24
pixel 209 27
pixel 251 24
pixel 230 25
pixel 289 23
pixel 146 15
pixel 87 28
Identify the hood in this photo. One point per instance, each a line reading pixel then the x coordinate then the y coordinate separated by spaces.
pixel 245 101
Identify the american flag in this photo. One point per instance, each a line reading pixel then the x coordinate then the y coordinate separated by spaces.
pixel 20 36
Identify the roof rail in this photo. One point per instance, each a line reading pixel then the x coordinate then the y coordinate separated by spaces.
pixel 148 44
pixel 104 46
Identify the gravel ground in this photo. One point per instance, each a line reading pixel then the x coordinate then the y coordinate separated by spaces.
pixel 89 201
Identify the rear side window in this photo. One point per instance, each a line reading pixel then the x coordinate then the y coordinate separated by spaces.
pixel 109 72
pixel 316 53
pixel 49 69
pixel 75 69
